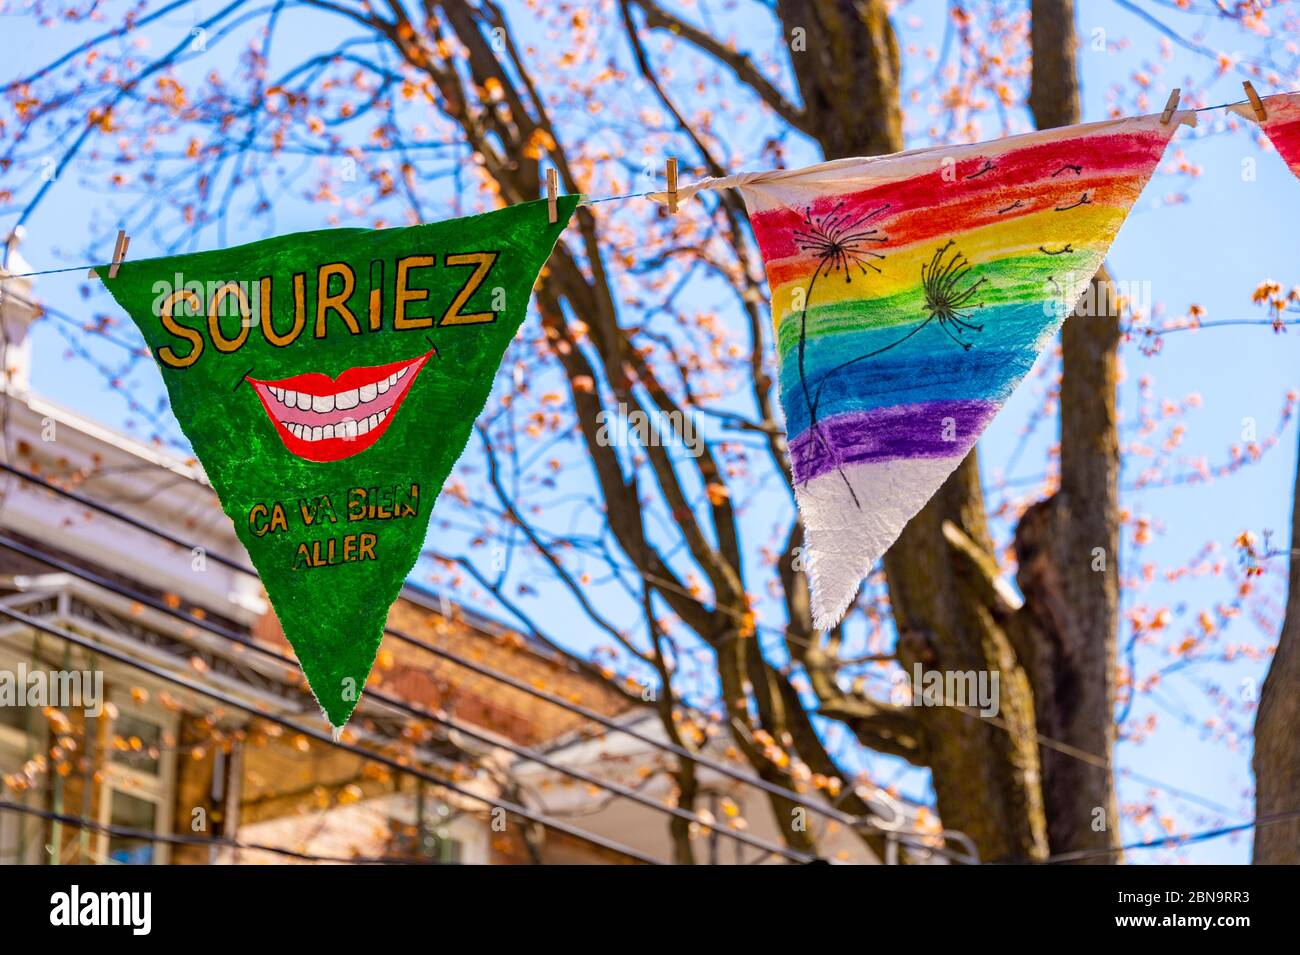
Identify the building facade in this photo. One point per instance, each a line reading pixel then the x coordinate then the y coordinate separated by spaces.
pixel 124 546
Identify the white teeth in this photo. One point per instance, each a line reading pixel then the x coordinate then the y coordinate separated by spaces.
pixel 343 401
pixel 347 430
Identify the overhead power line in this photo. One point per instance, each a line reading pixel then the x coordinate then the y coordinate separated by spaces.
pixel 586 713
pixel 538 693
pixel 1177 840
pixel 179 839
pixel 419 713
pixel 226 699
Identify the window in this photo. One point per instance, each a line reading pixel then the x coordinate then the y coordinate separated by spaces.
pixel 23 734
pixel 428 844
pixel 131 812
pixel 18 718
pixel 143 742
pixel 437 845
pixel 138 781
pixel 429 838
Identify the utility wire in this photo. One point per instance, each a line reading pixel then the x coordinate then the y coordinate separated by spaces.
pixel 418 713
pixel 1175 841
pixel 735 774
pixel 584 200
pixel 521 751
pixel 589 714
pixel 393 764
pixel 179 839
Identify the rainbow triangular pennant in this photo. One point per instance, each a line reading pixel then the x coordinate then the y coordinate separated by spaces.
pixel 1281 124
pixel 910 294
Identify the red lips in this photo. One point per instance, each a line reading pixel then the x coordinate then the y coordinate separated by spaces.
pixel 327 419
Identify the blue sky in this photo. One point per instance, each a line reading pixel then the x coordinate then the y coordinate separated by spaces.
pixel 1213 251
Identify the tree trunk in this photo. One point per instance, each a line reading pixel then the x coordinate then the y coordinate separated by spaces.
pixel 1277 727
pixel 951 617
pixel 1068 545
pixel 985 774
pixel 953 612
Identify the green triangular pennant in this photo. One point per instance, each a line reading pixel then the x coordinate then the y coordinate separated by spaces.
pixel 328 381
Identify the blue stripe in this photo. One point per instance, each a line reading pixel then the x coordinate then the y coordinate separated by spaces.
pixel 929 366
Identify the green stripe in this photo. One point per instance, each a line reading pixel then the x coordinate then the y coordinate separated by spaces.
pixel 1009 281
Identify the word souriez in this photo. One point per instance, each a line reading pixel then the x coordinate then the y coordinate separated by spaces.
pixel 233 309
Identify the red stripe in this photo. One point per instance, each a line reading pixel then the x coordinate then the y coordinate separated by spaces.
pixel 785 262
pixel 1111 163
pixel 1285 137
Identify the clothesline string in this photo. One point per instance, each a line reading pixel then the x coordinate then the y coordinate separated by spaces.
pixel 599 199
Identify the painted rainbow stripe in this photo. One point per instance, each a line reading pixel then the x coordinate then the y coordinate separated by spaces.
pixel 1282 125
pixel 911 294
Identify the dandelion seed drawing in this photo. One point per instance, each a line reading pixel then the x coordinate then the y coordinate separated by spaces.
pixel 842 243
pixel 945 301
pixel 947 297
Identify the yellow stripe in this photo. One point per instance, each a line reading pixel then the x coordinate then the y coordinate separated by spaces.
pixel 901 269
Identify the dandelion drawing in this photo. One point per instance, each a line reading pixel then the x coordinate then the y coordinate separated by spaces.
pixel 842 242
pixel 948 296
pixel 948 291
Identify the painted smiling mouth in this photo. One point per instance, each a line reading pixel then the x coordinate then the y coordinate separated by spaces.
pixel 327 419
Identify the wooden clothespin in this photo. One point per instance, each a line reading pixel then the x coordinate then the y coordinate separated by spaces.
pixel 672 185
pixel 1170 106
pixel 1256 103
pixel 552 189
pixel 11 244
pixel 119 253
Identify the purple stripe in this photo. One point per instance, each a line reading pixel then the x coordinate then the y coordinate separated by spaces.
pixel 934 429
